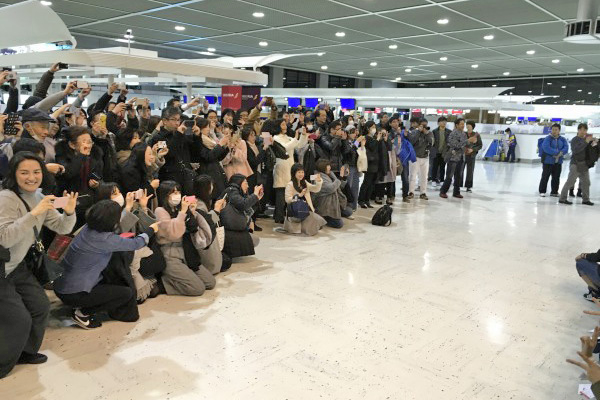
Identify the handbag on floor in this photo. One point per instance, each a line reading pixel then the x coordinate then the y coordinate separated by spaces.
pixel 298 209
pixel 383 216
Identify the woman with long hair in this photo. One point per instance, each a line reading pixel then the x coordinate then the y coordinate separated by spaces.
pixel 299 189
pixel 24 306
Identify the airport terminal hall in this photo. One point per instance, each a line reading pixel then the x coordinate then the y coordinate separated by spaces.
pixel 300 200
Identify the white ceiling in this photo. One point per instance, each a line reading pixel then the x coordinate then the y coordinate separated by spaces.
pixel 293 26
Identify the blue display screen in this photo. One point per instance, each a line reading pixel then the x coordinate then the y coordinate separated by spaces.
pixel 311 102
pixel 533 119
pixel 349 104
pixel 219 99
pixel 556 119
pixel 211 99
pixel 520 118
pixel 294 101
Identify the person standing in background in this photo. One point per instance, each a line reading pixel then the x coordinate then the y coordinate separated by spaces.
pixel 553 150
pixel 578 167
pixel 473 146
pixel 457 143
pixel 436 155
pixel 512 145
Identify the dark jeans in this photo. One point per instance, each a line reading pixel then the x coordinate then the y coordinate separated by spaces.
pixel 405 180
pixel 279 205
pixel 588 271
pixel 510 156
pixel 469 168
pixel 114 299
pixel 438 169
pixel 367 187
pixel 385 189
pixel 336 223
pixel 453 170
pixel 553 170
pixel 24 309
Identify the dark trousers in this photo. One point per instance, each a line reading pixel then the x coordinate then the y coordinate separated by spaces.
pixel 453 170
pixel 405 180
pixel 553 170
pixel 24 309
pixel 510 156
pixel 115 299
pixel 438 169
pixel 279 205
pixel 367 187
pixel 469 170
pixel 385 189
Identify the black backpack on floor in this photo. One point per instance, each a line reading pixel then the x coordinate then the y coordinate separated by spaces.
pixel 383 216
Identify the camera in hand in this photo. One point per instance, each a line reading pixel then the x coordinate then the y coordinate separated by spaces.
pixel 63 66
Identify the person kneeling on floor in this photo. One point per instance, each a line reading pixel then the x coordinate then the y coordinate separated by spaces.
pixel 330 202
pixel 82 285
pixel 587 268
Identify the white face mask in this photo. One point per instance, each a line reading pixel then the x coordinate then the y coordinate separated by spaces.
pixel 175 199
pixel 119 199
pixel 309 127
pixel 373 131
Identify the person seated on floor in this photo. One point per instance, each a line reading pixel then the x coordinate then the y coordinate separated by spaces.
pixel 236 217
pixel 299 189
pixel 330 202
pixel 82 285
pixel 212 257
pixel 587 268
pixel 183 232
pixel 136 216
pixel 24 306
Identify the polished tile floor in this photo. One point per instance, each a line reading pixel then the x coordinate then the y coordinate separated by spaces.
pixel 471 299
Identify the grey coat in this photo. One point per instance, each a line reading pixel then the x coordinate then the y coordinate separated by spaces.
pixel 330 200
pixel 457 143
pixel 421 141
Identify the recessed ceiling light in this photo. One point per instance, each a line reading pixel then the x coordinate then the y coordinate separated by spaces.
pixel 360 73
pixel 258 14
pixel 263 44
pixel 494 85
pixel 179 28
pixel 442 21
pixel 579 90
pixel 529 91
pixel 580 69
pixel 393 46
pixel 563 87
pixel 443 58
pixel 206 53
pixel 589 92
pixel 475 66
pixel 211 49
pixel 549 83
pixel 408 70
pixel 46 3
pixel 452 87
pixel 506 73
pixel 531 52
pixel 320 54
pixel 373 64
pixel 398 79
pixel 555 61
pixel 340 34
pixel 323 66
pixel 489 37
pixel 444 76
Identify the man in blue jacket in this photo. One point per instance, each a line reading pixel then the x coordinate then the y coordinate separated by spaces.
pixel 554 147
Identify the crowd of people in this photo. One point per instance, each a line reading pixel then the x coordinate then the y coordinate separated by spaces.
pixel 109 206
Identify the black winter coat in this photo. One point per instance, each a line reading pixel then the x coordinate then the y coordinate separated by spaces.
pixel 372 147
pixel 210 164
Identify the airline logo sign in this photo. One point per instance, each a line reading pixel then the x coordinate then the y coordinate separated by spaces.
pixel 236 97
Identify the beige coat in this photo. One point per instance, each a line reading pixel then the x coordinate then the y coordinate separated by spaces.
pixel 290 192
pixel 236 162
pixel 282 173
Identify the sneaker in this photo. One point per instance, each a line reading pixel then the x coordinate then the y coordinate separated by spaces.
pixel 565 202
pixel 350 217
pixel 369 205
pixel 85 321
pixel 411 195
pixel 469 190
pixel 362 205
pixel 589 296
pixel 588 203
pixel 443 195
pixel 405 199
pixel 553 194
pixel 423 197
pixel 542 194
pixel 257 228
pixel 27 358
pixel 458 196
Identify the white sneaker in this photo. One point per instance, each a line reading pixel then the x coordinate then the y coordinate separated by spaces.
pixel 542 194
pixel 350 217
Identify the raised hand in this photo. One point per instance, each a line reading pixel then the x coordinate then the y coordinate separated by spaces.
pixel 69 209
pixel 43 206
pixel 591 368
